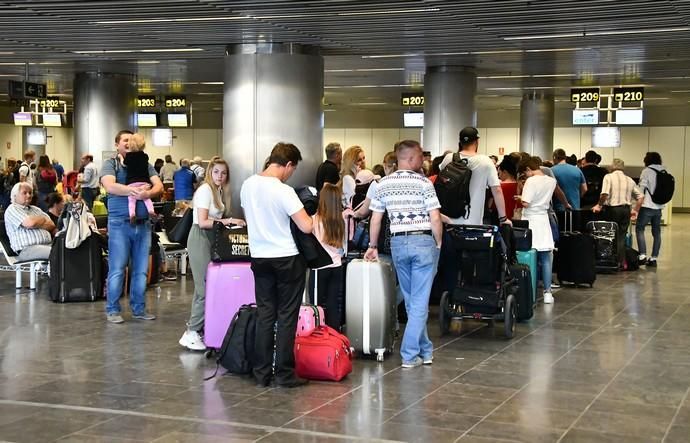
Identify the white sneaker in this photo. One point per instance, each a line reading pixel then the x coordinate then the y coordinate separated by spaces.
pixel 192 341
pixel 548 298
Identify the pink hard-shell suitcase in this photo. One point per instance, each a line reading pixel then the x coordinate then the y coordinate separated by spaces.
pixel 310 316
pixel 228 286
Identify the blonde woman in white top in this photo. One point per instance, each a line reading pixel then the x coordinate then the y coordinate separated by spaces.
pixel 354 160
pixel 208 208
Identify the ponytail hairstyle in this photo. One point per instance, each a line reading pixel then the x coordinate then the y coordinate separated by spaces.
pixel 221 195
pixel 330 215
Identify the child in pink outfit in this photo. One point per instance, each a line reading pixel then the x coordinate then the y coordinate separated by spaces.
pixel 137 163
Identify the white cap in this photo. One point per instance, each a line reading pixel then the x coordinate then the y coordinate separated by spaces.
pixel 365 176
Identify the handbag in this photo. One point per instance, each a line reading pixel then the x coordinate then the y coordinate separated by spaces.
pixel 230 243
pixel 77 223
pixel 180 232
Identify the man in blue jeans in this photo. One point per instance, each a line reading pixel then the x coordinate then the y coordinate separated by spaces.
pixel 648 211
pixel 416 232
pixel 127 241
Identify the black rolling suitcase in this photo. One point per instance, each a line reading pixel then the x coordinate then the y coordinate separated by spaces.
pixel 76 275
pixel 524 293
pixel 576 257
pixel 605 234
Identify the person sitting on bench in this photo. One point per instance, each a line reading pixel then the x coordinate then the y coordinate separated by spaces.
pixel 28 227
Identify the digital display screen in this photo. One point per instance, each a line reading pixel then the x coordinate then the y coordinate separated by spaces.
pixel 52 120
pixel 177 120
pixel 585 117
pixel 36 136
pixel 22 119
pixel 606 137
pixel 147 120
pixel 413 120
pixel 629 116
pixel 161 136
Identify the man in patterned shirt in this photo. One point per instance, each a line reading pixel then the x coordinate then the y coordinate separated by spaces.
pixel 416 232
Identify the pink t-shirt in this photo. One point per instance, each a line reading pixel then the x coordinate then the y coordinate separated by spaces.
pixel 335 253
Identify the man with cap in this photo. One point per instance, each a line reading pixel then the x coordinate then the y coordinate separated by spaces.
pixel 484 175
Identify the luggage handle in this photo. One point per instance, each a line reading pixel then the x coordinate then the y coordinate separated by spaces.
pixel 568 215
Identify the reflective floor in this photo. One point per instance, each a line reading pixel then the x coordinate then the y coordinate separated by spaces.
pixel 608 364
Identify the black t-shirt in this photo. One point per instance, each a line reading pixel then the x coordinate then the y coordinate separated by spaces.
pixel 327 173
pixel 594 176
pixel 137 163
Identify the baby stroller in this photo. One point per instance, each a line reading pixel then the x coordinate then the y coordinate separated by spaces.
pixel 485 290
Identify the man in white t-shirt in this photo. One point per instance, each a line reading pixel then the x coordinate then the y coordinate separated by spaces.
pixel 279 271
pixel 26 174
pixel 484 175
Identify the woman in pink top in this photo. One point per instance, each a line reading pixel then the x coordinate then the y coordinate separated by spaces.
pixel 329 229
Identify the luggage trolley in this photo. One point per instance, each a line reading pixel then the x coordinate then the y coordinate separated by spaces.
pixel 485 289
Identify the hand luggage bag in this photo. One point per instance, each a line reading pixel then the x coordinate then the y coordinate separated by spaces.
pixel 228 286
pixel 76 275
pixel 576 257
pixel 230 243
pixel 310 316
pixel 523 238
pixel 529 258
pixel 605 234
pixel 324 354
pixel 525 292
pixel 370 306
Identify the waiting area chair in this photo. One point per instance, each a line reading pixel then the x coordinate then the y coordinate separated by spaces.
pixel 33 267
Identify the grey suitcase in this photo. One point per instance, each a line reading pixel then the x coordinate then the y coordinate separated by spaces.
pixel 370 307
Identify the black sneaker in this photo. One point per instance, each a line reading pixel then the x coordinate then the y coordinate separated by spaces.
pixel 294 383
pixel 651 263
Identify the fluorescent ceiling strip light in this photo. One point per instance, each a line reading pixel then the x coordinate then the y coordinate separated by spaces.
pixel 124 51
pixel 368 103
pixel 369 86
pixel 501 76
pixel 173 50
pixel 211 83
pixel 390 11
pixel 553 75
pixel 498 51
pixel 12 64
pixel 170 20
pixel 209 93
pixel 681 91
pixel 364 70
pixel 543 36
pixel 146 62
pixel 10 75
pixel 6 53
pixel 557 50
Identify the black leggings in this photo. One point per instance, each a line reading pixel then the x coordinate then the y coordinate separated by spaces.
pixel 330 294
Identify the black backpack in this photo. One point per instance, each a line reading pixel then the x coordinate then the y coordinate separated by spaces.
pixel 665 186
pixel 453 188
pixel 361 190
pixel 237 352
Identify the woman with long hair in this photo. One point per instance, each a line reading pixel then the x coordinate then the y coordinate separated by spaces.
pixel 208 208
pixel 46 180
pixel 354 160
pixel 329 229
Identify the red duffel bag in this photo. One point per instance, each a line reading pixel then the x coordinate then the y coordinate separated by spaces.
pixel 325 354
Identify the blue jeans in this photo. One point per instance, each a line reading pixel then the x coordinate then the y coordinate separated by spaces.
pixel 544 265
pixel 127 241
pixel 415 258
pixel 646 216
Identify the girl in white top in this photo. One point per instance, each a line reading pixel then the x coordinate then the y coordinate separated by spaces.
pixel 329 229
pixel 354 160
pixel 208 208
pixel 536 198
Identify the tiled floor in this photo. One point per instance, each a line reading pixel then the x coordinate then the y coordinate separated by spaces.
pixel 608 364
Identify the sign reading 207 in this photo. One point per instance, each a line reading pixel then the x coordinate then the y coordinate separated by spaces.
pixel 412 99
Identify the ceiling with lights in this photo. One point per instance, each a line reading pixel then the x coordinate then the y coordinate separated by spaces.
pixel 373 50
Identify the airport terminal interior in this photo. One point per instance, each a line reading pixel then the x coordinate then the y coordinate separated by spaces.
pixel 200 78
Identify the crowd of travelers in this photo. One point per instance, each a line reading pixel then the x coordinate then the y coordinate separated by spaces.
pixel 397 195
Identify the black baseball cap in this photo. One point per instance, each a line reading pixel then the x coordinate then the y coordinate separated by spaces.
pixel 468 135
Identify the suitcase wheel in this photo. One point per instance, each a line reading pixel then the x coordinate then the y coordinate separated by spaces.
pixel 510 316
pixel 443 317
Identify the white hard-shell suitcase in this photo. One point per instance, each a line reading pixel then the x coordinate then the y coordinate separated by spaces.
pixel 370 306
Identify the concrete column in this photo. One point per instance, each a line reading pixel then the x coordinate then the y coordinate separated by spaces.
pixel 449 106
pixel 103 105
pixel 536 124
pixel 273 93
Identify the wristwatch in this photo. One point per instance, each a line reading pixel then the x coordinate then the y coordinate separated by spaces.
pixel 373 246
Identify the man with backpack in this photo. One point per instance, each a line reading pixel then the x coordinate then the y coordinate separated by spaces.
pixel 25 173
pixel 594 177
pixel 657 187
pixel 476 173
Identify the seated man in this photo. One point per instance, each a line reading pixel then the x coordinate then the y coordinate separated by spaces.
pixel 28 227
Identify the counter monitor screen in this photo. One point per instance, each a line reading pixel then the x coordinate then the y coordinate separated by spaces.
pixel 585 117
pixel 177 120
pixel 22 119
pixel 629 116
pixel 36 136
pixel 54 120
pixel 147 120
pixel 606 137
pixel 161 136
pixel 413 120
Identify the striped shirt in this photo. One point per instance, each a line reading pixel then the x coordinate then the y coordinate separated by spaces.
pixel 620 189
pixel 408 197
pixel 21 237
